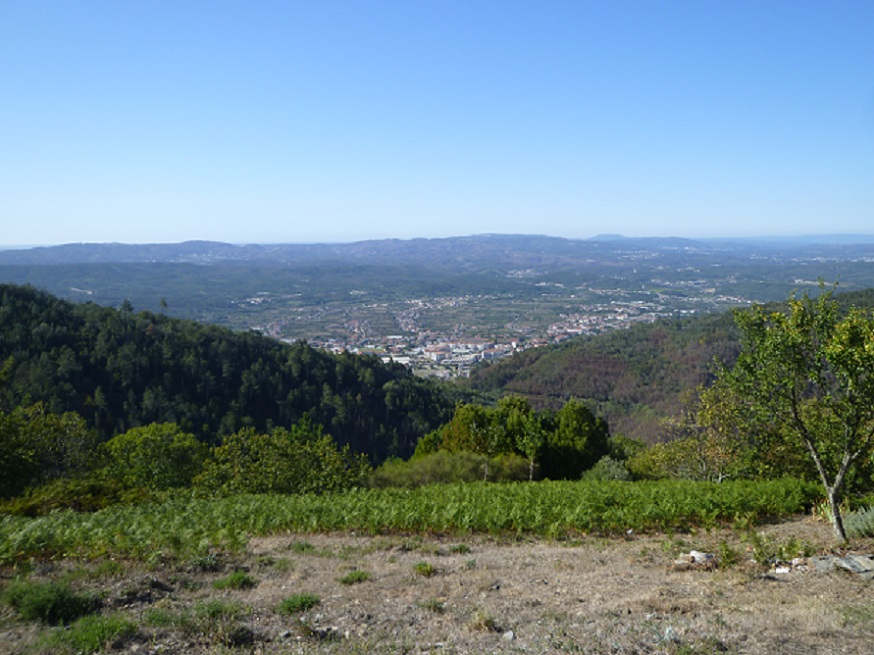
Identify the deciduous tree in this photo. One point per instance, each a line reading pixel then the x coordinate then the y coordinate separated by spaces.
pixel 809 372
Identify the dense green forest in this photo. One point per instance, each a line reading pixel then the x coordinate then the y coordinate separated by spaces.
pixel 112 401
pixel 119 369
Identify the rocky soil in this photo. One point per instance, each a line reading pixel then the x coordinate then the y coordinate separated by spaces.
pixel 474 594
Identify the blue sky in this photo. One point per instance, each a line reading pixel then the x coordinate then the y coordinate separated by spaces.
pixel 259 121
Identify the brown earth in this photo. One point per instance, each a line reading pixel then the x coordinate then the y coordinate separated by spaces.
pixel 594 595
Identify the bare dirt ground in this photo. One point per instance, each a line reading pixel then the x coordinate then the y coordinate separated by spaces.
pixel 473 594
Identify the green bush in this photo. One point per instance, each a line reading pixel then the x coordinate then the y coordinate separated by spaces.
pixel 49 602
pixel 298 603
pixel 89 634
pixel 157 456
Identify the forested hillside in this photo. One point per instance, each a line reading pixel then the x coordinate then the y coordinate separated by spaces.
pixel 633 378
pixel 120 369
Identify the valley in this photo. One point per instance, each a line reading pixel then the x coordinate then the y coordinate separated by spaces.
pixel 442 306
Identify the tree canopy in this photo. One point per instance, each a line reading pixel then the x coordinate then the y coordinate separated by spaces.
pixel 808 373
pixel 120 369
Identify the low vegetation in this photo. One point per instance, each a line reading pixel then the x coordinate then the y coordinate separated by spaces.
pixel 187 527
pixel 298 603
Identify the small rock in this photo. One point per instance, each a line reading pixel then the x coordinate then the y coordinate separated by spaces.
pixel 698 557
pixel 509 635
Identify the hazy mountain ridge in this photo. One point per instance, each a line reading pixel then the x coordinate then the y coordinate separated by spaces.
pixel 471 252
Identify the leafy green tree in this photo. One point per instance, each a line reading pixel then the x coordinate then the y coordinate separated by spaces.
pixel 476 429
pixel 18 461
pixel 299 460
pixel 810 372
pixel 576 443
pixel 156 456
pixel 37 446
pixel 523 428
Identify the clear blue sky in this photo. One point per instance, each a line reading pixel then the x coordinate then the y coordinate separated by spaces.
pixel 258 121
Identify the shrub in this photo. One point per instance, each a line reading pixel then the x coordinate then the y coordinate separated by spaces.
pixel 860 523
pixel 607 468
pixel 157 456
pixel 298 603
pixel 89 634
pixel 508 467
pixel 302 460
pixel 49 602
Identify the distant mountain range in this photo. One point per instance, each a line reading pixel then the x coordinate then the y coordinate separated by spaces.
pixel 469 252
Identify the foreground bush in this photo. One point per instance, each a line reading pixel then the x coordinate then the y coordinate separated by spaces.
pixel 48 602
pixel 88 635
pixel 186 526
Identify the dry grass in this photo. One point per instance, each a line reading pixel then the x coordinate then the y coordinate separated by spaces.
pixel 593 596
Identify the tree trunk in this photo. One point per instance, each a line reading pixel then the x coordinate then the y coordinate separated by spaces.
pixel 837 519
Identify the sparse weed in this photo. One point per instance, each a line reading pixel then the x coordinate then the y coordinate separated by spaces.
pixel 159 617
pixel 425 569
pixel 853 615
pixel 433 605
pixel 460 549
pixel 767 551
pixel 185 582
pixel 298 603
pixel 726 555
pixel 482 622
pixel 217 609
pixel 109 568
pixel 209 562
pixel 355 576
pixel 282 564
pixel 302 547
pixel 236 580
